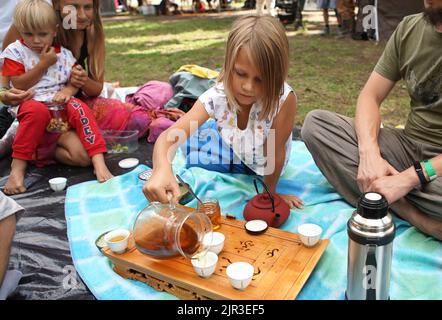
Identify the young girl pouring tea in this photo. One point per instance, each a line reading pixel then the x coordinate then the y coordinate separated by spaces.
pixel 253 109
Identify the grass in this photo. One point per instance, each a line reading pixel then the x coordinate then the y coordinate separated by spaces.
pixel 326 73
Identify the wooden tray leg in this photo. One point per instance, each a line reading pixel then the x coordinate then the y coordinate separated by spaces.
pixel 159 285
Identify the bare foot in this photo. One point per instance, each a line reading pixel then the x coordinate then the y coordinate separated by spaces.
pixel 16 180
pixel 100 169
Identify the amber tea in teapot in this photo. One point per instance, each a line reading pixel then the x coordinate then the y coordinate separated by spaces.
pixel 159 241
pixel 163 231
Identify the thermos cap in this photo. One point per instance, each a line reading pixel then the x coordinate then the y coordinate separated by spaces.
pixel 373 196
pixel 372 205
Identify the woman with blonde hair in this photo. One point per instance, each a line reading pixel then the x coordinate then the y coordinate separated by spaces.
pixel 87 43
pixel 253 109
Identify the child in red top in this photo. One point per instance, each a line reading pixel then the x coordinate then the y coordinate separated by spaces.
pixel 34 63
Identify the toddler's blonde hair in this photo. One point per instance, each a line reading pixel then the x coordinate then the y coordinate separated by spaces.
pixel 34 15
pixel 267 44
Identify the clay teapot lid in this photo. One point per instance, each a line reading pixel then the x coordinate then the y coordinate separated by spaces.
pixel 264 201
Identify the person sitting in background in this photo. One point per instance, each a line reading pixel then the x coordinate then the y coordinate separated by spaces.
pixel 198 6
pixel 165 6
pixel 405 165
pixel 86 42
pixel 33 63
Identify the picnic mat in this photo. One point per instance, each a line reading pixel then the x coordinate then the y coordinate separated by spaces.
pixel 92 209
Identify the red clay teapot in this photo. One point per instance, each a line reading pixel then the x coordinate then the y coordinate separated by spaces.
pixel 266 206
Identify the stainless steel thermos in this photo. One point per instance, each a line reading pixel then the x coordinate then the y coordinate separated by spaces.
pixel 370 247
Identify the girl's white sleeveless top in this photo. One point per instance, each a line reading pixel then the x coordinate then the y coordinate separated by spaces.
pixel 248 144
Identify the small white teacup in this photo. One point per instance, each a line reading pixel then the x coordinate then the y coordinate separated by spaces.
pixel 309 233
pixel 58 184
pixel 204 264
pixel 117 240
pixel 214 242
pixel 240 274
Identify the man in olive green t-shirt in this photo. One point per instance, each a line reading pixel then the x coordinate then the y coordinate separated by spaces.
pixel 405 165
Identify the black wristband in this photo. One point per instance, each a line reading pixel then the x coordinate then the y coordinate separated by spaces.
pixel 420 173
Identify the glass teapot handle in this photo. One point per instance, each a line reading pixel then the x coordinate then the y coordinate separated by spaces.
pixel 170 198
pixel 267 190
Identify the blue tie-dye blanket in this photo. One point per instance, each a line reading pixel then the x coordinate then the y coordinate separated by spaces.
pixel 93 208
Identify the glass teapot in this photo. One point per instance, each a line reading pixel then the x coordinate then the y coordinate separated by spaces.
pixel 166 230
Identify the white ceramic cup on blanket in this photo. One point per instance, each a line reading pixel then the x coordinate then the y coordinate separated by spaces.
pixel 58 184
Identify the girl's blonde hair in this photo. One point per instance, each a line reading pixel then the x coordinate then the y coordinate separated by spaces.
pixel 95 41
pixel 265 39
pixel 34 15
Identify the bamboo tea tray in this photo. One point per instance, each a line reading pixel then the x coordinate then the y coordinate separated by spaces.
pixel 282 266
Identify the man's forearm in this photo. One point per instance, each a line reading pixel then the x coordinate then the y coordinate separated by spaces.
pixel 367 124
